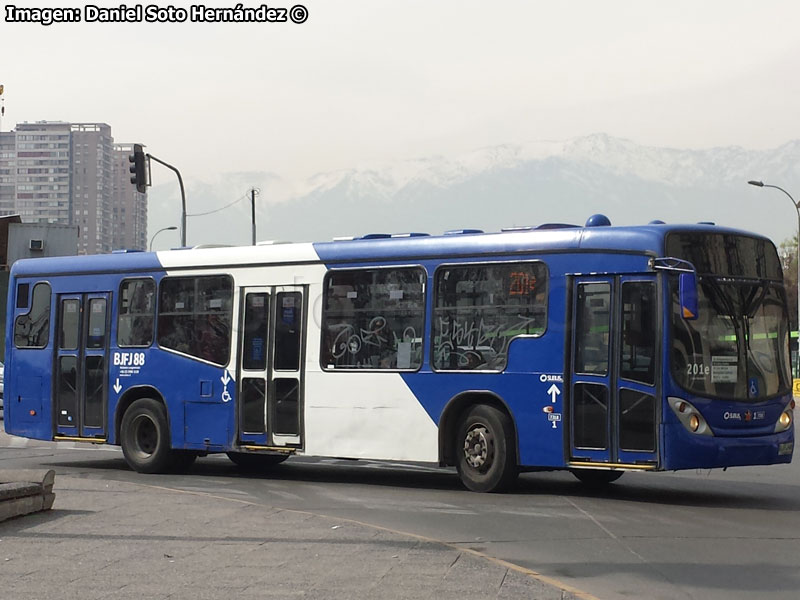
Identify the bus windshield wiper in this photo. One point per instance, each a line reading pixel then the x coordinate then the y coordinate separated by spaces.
pixel 756 299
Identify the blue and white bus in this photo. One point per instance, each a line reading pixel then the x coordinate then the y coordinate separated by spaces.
pixel 595 349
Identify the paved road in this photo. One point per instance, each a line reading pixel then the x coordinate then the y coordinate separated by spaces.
pixel 696 535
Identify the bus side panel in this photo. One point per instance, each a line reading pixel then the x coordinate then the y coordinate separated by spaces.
pixel 199 404
pixel 363 414
pixel 366 415
pixel 27 406
pixel 531 387
pixel 525 395
pixel 199 410
pixel 28 382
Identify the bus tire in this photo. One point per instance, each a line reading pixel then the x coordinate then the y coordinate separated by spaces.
pixel 255 462
pixel 595 478
pixel 484 448
pixel 144 437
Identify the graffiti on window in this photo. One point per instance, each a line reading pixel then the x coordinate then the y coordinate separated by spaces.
pixel 373 319
pixel 480 309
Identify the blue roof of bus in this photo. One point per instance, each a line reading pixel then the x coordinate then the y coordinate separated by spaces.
pixel 646 239
pixel 99 263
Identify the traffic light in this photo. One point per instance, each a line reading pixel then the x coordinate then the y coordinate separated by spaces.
pixel 138 172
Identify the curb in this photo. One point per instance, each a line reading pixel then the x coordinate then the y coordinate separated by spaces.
pixel 25 491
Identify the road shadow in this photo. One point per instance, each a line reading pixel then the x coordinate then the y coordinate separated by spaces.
pixel 646 488
pixel 668 489
pixel 10 527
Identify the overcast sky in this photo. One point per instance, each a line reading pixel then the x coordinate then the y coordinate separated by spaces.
pixel 370 80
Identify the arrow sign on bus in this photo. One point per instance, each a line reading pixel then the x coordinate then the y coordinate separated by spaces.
pixel 553 391
pixel 117 386
pixel 226 378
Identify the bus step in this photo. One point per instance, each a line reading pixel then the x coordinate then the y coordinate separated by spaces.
pixel 88 440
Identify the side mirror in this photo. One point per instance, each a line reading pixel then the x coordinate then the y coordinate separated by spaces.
pixel 687 292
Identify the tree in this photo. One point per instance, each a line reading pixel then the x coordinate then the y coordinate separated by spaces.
pixel 788 256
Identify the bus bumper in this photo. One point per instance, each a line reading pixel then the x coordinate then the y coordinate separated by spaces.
pixel 683 450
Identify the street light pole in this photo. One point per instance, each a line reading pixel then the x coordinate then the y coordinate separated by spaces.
pixel 170 228
pixel 796 205
pixel 183 197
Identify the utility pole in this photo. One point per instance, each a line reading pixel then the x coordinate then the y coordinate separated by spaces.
pixel 253 193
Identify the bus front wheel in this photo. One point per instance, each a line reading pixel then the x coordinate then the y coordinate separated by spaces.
pixel 485 450
pixel 144 436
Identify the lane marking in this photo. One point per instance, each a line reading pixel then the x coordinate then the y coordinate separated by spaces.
pixel 607 531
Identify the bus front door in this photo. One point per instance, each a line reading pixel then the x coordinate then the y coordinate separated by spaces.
pixel 82 366
pixel 614 372
pixel 271 366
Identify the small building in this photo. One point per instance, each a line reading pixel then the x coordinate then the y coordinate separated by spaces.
pixel 29 240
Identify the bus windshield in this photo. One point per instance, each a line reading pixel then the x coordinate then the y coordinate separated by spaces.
pixel 738 348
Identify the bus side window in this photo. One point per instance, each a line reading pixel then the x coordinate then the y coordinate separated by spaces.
pixel 479 309
pixel 32 329
pixel 194 316
pixel 136 313
pixel 373 319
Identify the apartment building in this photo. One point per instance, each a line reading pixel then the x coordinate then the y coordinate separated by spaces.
pixel 129 206
pixel 73 174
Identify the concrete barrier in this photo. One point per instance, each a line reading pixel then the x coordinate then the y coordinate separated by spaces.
pixel 25 491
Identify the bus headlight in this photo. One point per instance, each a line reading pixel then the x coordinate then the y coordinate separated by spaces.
pixel 694 423
pixel 689 416
pixel 784 421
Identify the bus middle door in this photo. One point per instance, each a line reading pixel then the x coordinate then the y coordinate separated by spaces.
pixel 271 366
pixel 82 366
pixel 613 372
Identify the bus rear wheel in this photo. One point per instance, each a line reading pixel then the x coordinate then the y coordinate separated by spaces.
pixel 485 450
pixel 256 462
pixel 144 437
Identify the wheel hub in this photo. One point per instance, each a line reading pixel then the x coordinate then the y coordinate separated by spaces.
pixel 477 447
pixel 146 436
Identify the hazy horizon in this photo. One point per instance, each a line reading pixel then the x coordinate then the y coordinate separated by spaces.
pixel 494 187
pixel 364 82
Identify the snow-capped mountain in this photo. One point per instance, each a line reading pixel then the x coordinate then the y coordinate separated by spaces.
pixel 508 185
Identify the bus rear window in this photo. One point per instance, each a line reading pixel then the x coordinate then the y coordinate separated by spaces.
pixel 32 329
